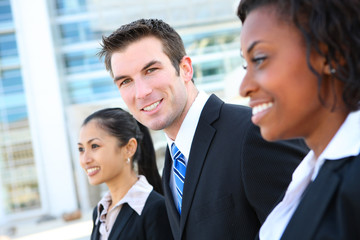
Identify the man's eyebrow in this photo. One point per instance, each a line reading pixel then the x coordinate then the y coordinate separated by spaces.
pixel 149 64
pixel 119 78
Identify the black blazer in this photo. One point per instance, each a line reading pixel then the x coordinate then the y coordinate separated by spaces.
pixel 153 222
pixel 233 177
pixel 330 208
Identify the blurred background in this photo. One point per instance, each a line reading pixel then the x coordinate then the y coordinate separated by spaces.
pixel 51 79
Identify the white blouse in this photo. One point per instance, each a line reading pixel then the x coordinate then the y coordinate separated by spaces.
pixel 345 143
pixel 135 197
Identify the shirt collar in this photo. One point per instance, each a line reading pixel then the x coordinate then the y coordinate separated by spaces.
pixel 345 143
pixel 188 126
pixel 103 205
pixel 135 197
pixel 349 132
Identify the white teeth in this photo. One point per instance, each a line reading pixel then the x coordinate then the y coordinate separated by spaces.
pixel 152 106
pixel 90 170
pixel 261 107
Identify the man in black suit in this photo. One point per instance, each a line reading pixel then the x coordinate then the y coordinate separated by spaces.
pixel 233 177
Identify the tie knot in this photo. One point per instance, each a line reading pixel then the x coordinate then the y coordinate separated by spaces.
pixel 175 151
pixel 178 157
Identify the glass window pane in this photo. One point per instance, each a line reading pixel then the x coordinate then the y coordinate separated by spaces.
pixel 76 32
pixel 92 89
pixel 11 81
pixel 20 188
pixel 19 185
pixel 8 50
pixel 77 62
pixel 5 11
pixel 64 7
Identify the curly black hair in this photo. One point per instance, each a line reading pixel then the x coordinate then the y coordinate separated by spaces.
pixel 334 24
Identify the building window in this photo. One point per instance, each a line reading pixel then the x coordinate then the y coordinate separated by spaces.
pixel 75 32
pixel 65 7
pixel 89 90
pixel 84 61
pixel 5 11
pixel 18 178
pixel 8 50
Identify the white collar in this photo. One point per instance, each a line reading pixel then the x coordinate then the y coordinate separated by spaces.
pixel 135 197
pixel 188 127
pixel 345 143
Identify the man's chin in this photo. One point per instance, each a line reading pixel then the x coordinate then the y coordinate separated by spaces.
pixel 153 124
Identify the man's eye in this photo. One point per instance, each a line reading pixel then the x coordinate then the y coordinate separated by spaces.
pixel 150 70
pixel 126 81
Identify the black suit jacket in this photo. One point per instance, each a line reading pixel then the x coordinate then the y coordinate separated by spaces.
pixel 233 177
pixel 330 208
pixel 153 222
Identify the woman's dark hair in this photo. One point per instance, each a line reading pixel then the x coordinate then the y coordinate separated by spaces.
pixel 120 124
pixel 333 24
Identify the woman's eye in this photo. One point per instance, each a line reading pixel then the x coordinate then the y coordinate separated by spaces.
pixel 81 149
pixel 258 60
pixel 94 146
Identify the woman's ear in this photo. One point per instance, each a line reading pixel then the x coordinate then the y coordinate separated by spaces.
pixel 328 69
pixel 186 69
pixel 320 61
pixel 330 65
pixel 131 147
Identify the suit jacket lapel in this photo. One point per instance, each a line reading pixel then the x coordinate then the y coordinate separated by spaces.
pixel 121 221
pixel 95 235
pixel 202 139
pixel 313 206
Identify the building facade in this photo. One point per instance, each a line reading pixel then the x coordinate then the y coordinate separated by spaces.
pixel 51 79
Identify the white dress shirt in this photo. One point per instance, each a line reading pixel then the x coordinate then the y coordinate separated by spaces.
pixel 186 134
pixel 345 143
pixel 135 197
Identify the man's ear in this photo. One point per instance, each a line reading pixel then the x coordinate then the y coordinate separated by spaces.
pixel 186 69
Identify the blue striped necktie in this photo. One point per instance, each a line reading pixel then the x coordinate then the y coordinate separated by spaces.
pixel 179 169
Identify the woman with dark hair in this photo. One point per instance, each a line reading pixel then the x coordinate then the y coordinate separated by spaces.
pixel 303 80
pixel 111 144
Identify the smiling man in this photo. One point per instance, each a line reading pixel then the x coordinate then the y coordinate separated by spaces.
pixel 155 93
pixel 220 177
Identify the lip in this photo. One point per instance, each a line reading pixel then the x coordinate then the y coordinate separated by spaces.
pixel 259 110
pixel 91 171
pixel 153 107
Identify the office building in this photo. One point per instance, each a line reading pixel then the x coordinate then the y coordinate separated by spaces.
pixel 51 78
